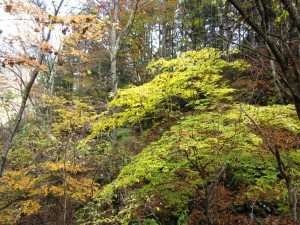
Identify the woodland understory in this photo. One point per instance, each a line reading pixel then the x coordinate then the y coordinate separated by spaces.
pixel 155 112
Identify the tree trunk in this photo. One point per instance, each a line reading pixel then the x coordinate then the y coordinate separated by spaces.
pixel 274 76
pixel 297 105
pixel 25 97
pixel 18 118
pixel 114 48
pixel 115 43
pixel 293 12
pixel 114 83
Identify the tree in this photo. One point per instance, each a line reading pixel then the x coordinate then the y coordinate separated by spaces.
pixel 114 12
pixel 209 151
pixel 41 49
pixel 191 80
pixel 117 31
pixel 283 169
pixel 267 21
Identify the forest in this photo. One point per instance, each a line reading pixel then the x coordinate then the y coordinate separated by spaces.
pixel 150 112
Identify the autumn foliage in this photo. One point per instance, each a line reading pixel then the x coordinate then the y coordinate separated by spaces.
pixel 156 112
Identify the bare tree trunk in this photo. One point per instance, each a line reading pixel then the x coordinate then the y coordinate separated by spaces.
pixel 274 76
pixel 114 48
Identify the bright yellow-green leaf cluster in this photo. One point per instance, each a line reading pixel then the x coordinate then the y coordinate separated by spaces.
pixel 276 116
pixel 170 169
pixel 191 80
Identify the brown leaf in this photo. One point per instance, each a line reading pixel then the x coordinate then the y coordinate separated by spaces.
pixel 49 51
pixel 8 8
pixel 60 61
pixel 84 30
pixel 64 31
